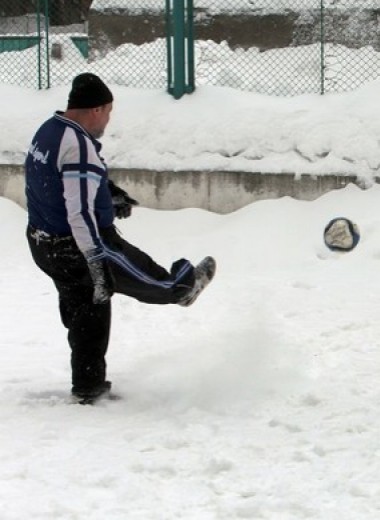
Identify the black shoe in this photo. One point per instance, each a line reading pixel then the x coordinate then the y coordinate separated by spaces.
pixel 91 395
pixel 204 272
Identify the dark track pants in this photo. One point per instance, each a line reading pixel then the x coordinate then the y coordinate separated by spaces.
pixel 135 274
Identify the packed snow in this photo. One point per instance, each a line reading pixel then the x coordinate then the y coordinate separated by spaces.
pixel 218 129
pixel 260 401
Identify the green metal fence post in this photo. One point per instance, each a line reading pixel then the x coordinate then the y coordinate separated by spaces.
pixel 46 13
pixel 169 47
pixel 323 64
pixel 190 87
pixel 180 47
pixel 39 44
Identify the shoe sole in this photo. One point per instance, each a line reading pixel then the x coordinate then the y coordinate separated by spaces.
pixel 203 281
pixel 104 392
pixel 94 400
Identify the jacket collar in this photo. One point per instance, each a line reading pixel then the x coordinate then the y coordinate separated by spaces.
pixel 58 115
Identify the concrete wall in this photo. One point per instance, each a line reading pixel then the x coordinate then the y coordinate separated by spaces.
pixel 221 192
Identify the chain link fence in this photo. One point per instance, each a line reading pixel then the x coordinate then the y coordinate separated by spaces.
pixel 278 47
pixel 127 42
pixel 351 36
pixel 287 47
pixel 45 43
pixel 41 42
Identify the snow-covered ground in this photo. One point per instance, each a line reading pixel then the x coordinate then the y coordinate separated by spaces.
pixel 262 401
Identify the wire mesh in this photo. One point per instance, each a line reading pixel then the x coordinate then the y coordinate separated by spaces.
pixel 287 47
pixel 277 47
pixel 122 41
pixel 19 43
pixel 127 42
pixel 352 43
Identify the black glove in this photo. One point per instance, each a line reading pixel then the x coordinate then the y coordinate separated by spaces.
pixel 121 201
pixel 102 280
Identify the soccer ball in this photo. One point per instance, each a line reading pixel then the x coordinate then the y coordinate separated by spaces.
pixel 341 234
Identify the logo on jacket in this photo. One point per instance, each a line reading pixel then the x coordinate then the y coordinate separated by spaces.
pixel 37 154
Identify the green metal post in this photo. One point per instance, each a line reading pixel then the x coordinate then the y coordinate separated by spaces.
pixel 169 46
pixel 39 44
pixel 180 47
pixel 190 87
pixel 46 12
pixel 323 65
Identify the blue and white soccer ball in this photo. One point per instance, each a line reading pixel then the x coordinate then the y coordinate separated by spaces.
pixel 341 234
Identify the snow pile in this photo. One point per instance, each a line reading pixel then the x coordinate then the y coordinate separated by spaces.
pixel 218 129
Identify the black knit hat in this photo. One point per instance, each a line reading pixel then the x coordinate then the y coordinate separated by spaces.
pixel 89 91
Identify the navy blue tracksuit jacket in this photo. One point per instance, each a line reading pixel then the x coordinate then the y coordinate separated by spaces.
pixel 66 183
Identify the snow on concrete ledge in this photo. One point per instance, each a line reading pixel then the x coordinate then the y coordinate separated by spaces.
pixel 217 191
